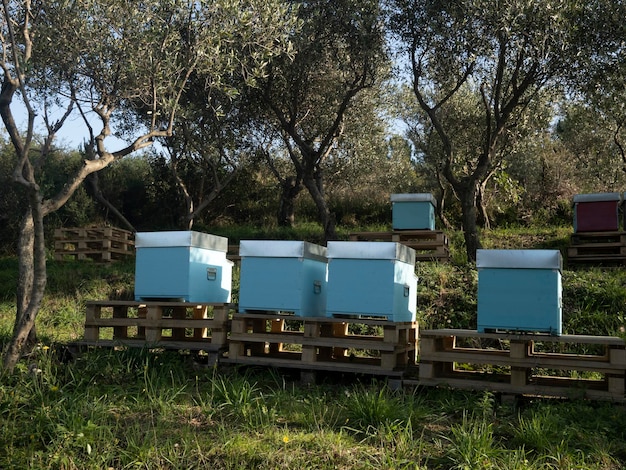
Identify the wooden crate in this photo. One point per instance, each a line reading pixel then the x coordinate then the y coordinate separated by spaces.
pixel 323 344
pixel 168 325
pixel 525 364
pixel 429 245
pixel 597 247
pixel 96 243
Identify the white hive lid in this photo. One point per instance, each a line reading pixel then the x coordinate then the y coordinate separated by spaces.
pixel 414 197
pixel 281 249
pixel 523 259
pixel 371 250
pixel 596 197
pixel 181 238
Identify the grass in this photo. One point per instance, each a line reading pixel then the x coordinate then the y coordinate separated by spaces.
pixel 143 409
pixel 132 409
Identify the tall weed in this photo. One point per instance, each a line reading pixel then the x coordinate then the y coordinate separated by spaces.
pixel 241 401
pixel 320 412
pixel 400 447
pixel 369 407
pixel 538 431
pixel 472 445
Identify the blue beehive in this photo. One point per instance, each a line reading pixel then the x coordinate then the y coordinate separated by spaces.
pixel 283 276
pixel 519 290
pixel 372 279
pixel 413 211
pixel 182 265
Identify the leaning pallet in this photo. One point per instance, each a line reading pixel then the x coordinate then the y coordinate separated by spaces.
pixel 567 366
pixel 95 243
pixel 429 245
pixel 167 325
pixel 352 345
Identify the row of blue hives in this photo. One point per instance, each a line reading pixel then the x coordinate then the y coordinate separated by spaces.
pixel 308 280
pixel 518 290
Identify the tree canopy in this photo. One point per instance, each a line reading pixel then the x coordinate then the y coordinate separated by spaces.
pixel 502 55
pixel 338 53
pixel 125 62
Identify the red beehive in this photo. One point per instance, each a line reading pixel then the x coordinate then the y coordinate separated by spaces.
pixel 596 212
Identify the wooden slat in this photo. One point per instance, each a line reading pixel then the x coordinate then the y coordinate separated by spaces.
pixel 577 339
pixel 334 366
pixel 488 358
pixel 541 389
pixel 206 345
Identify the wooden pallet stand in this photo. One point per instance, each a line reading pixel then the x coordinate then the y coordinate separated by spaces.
pixel 429 245
pixel 322 344
pixel 167 325
pixel 95 243
pixel 524 364
pixel 233 253
pixel 597 247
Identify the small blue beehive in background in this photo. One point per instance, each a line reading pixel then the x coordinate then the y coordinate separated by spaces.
pixel 519 290
pixel 182 265
pixel 372 279
pixel 283 276
pixel 413 211
pixel 597 212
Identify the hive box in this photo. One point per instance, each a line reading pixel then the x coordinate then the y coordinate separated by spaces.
pixel 413 211
pixel 519 290
pixel 283 276
pixel 374 279
pixel 185 265
pixel 596 212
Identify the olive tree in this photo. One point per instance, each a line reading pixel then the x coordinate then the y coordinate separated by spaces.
pixel 591 135
pixel 502 53
pixel 116 62
pixel 204 154
pixel 601 83
pixel 339 51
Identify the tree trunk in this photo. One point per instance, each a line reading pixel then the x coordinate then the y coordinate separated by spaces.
pixel 483 216
pixel 441 214
pixel 97 193
pixel 470 227
pixel 441 201
pixel 290 188
pixel 326 218
pixel 31 283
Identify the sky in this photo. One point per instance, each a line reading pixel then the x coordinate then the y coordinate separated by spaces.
pixel 73 133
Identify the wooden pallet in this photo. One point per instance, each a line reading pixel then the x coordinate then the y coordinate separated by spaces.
pixel 580 238
pixel 95 243
pixel 168 325
pixel 429 245
pixel 597 247
pixel 323 344
pixel 525 364
pixel 233 253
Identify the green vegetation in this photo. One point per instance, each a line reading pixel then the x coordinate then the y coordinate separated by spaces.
pixel 127 409
pixel 141 409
